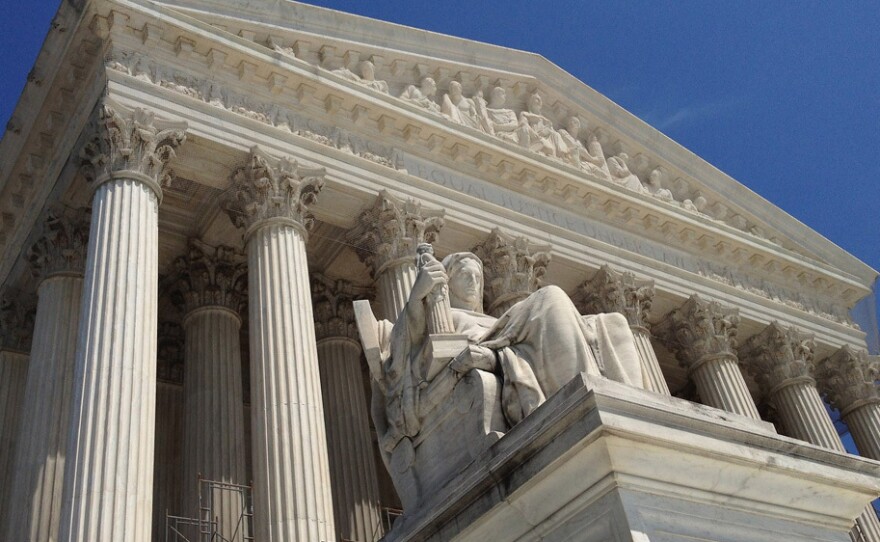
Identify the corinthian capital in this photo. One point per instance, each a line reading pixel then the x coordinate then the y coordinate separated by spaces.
pixel 390 231
pixel 61 247
pixel 332 301
pixel 266 189
pixel 209 276
pixel 849 378
pixel 512 269
pixel 613 291
pixel 777 355
pixel 699 330
pixel 130 143
pixel 17 310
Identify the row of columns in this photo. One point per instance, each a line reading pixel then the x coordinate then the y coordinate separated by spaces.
pixel 95 481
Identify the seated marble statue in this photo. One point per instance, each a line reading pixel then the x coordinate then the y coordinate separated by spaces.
pixel 655 185
pixel 589 158
pixel 536 130
pixel 459 109
pixel 497 120
pixel 621 174
pixel 537 346
pixel 367 76
pixel 423 95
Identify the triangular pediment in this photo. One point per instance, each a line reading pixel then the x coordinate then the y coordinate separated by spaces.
pixel 402 56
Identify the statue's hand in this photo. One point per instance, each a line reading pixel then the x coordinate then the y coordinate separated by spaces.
pixel 474 357
pixel 429 277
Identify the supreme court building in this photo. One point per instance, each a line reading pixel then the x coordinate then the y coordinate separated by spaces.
pixel 194 194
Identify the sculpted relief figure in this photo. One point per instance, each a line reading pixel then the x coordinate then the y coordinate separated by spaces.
pixel 655 185
pixel 536 130
pixel 367 77
pixel 423 95
pixel 589 158
pixel 499 121
pixel 460 109
pixel 621 174
pixel 538 345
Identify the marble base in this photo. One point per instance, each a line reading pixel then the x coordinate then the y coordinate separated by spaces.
pixel 600 461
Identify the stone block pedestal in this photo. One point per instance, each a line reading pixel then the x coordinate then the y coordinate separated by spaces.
pixel 602 462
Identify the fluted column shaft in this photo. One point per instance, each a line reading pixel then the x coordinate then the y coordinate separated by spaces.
pixel 167 486
pixel 13 375
pixel 352 465
pixel 39 465
pixel 864 425
pixel 292 492
pixel 214 415
pixel 394 285
pixel 720 384
pixel 108 486
pixel 652 376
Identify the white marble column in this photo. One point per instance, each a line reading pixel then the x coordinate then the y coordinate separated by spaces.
pixel 58 258
pixel 167 483
pixel 512 269
pixel 781 360
pixel 352 463
pixel 109 481
pixel 386 239
pixel 701 334
pixel 612 291
pixel 209 288
pixel 849 379
pixel 292 492
pixel 16 325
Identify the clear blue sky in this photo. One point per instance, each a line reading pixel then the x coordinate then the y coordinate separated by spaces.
pixel 783 96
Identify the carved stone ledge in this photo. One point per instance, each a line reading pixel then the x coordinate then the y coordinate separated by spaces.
pixel 266 189
pixel 17 312
pixel 778 355
pixel 130 143
pixel 332 302
pixel 699 330
pixel 614 291
pixel 390 231
pixel 849 379
pixel 63 244
pixel 513 268
pixel 209 276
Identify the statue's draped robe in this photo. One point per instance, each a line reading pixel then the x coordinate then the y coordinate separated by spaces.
pixel 541 344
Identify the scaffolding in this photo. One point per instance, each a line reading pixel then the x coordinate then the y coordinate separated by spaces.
pixel 206 526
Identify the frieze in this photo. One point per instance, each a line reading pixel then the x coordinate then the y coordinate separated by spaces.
pixel 580 224
pixel 332 136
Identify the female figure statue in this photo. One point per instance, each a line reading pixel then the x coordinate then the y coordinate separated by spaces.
pixel 589 158
pixel 538 345
pixel 536 130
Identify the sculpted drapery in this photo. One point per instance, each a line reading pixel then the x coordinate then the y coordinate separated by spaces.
pixel 537 346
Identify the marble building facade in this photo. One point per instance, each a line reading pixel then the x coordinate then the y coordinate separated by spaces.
pixel 194 193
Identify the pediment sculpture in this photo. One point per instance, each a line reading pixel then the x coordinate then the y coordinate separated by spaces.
pixel 450 380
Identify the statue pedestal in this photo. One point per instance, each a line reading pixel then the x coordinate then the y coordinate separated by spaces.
pixel 600 461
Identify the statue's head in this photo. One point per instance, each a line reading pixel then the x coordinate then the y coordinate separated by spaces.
pixel 368 70
pixel 465 272
pixel 574 126
pixel 497 97
pixel 455 89
pixel 535 103
pixel 429 87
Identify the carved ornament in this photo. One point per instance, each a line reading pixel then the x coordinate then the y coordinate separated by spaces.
pixel 130 143
pixel 698 331
pixel 513 268
pixel 848 378
pixel 332 302
pixel 390 231
pixel 17 311
pixel 777 355
pixel 62 246
pixel 265 188
pixel 209 276
pixel 614 291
